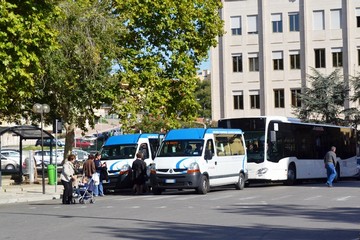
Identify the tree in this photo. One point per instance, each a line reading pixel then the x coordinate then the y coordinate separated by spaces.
pixel 352 115
pixel 203 95
pixel 164 42
pixel 24 36
pixel 78 74
pixel 324 101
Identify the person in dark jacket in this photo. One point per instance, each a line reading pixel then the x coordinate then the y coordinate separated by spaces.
pixel 100 169
pixel 330 163
pixel 139 173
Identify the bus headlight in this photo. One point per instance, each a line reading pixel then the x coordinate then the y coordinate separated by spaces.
pixel 125 169
pixel 152 168
pixel 193 168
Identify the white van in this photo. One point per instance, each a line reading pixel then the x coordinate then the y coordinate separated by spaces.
pixel 198 158
pixel 119 152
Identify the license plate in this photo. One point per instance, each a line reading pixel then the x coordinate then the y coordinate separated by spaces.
pixel 170 181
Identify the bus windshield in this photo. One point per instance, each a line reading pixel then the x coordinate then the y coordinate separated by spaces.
pixel 255 146
pixel 181 148
pixel 118 152
pixel 254 133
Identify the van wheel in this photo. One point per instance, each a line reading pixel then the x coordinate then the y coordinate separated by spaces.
pixel 203 185
pixel 241 182
pixel 156 191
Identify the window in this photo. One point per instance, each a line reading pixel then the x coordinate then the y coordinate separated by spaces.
pixel 237 63
pixel 318 20
pixel 358 17
pixel 294 59
pixel 278 60
pixel 254 100
pixel 295 97
pixel 337 57
pixel 320 58
pixel 236 25
pixel 276 20
pixel 335 18
pixel 252 24
pixel 294 22
pixel 279 98
pixel 253 62
pixel 238 99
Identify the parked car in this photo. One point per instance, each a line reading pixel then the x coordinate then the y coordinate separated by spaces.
pixel 81 155
pixel 48 142
pixel 82 143
pixel 58 157
pixel 9 163
pixel 90 138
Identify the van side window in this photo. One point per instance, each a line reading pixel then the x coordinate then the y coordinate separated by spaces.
pixel 229 145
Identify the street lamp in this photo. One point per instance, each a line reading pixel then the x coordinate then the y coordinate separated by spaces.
pixel 41 109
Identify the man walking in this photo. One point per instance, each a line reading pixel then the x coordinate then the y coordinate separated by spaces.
pixel 330 163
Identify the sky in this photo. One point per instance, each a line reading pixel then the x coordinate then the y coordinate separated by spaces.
pixel 205 65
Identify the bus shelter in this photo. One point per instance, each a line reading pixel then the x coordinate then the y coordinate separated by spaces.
pixel 24 132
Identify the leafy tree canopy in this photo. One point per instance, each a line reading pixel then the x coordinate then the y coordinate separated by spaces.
pixel 164 42
pixel 324 100
pixel 24 36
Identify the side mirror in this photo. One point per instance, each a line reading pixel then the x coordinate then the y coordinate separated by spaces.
pixel 208 155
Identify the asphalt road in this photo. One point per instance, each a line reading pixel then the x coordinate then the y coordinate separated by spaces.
pixel 307 211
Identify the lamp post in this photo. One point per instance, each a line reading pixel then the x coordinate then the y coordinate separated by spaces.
pixel 41 109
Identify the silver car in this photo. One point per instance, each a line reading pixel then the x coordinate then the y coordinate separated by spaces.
pixel 10 163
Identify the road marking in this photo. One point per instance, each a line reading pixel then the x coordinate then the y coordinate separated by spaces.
pixel 343 198
pixel 151 198
pixel 313 198
pixel 186 198
pixel 245 204
pixel 161 207
pixel 282 197
pixel 221 197
pixel 248 198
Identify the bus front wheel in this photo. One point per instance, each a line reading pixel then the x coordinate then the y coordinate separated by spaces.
pixel 291 175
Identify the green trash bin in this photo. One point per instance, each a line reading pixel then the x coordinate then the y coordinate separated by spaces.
pixel 51 174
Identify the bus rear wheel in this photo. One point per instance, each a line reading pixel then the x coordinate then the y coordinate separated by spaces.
pixel 291 175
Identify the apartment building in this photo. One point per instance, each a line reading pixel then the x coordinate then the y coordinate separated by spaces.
pixel 270 47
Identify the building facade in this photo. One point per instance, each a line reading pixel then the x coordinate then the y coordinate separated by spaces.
pixel 269 48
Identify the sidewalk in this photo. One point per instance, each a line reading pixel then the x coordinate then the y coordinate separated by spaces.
pixel 26 192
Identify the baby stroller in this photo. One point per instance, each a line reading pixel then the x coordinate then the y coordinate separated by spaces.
pixel 83 193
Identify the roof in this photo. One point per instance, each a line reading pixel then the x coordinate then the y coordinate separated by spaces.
pixel 25 131
pixel 128 138
pixel 197 133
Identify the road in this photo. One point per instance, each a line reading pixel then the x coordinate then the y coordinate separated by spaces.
pixel 307 211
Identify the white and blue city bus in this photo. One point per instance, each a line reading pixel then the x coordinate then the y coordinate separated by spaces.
pixel 288 150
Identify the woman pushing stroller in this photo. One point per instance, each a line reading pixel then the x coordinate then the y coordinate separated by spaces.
pixel 67 178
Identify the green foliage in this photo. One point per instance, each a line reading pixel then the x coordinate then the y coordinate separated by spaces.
pixel 24 36
pixel 163 43
pixel 203 96
pixel 324 101
pixel 352 115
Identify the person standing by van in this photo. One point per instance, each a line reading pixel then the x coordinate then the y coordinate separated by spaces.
pixel 139 173
pixel 100 167
pixel 330 163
